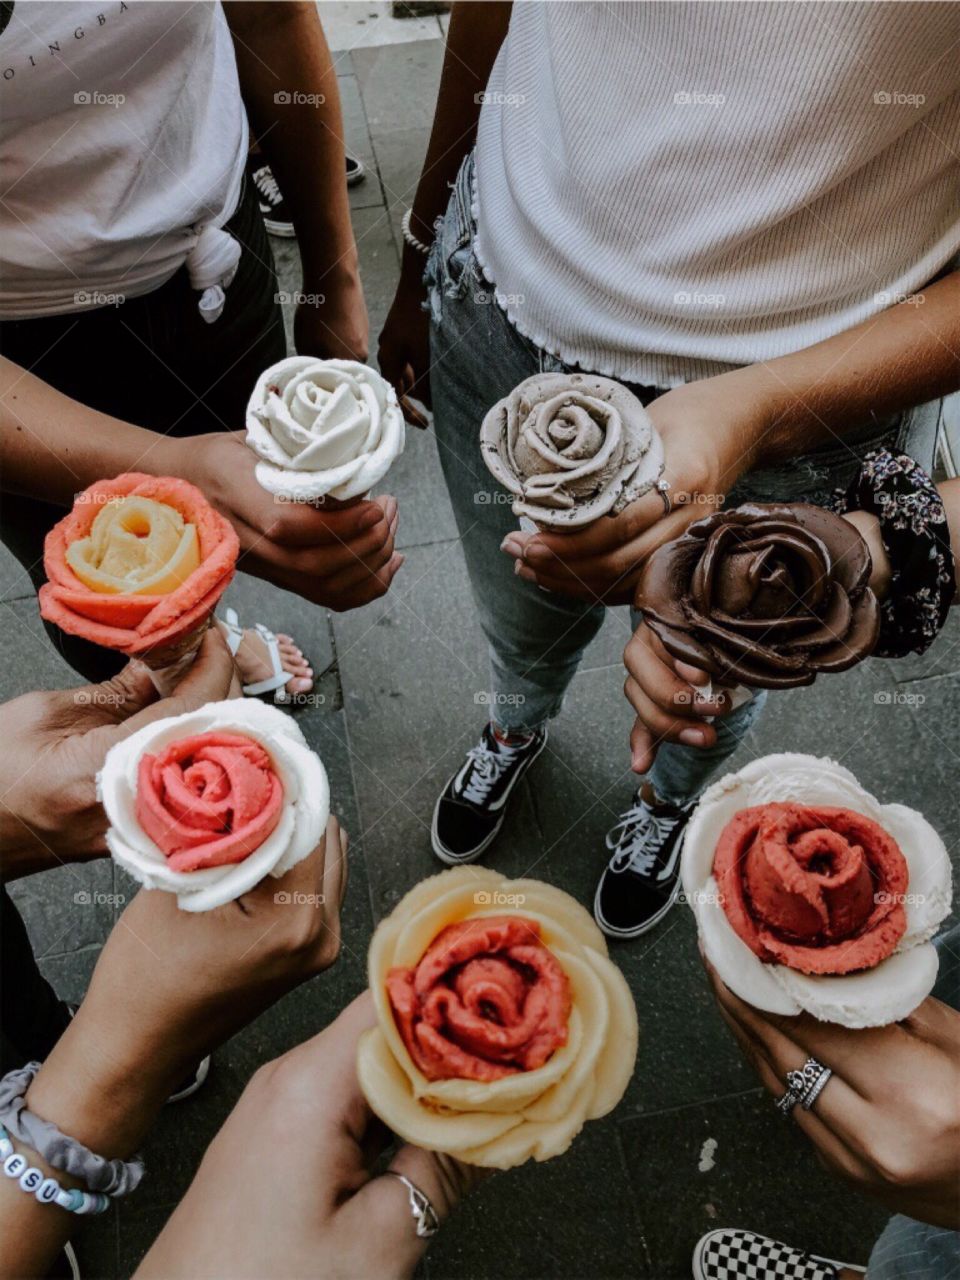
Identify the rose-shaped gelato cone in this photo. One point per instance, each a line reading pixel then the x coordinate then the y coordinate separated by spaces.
pixel 323 428
pixel 205 805
pixel 572 447
pixel 138 565
pixel 502 1024
pixel 765 596
pixel 811 896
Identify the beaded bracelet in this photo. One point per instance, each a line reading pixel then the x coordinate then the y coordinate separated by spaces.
pixel 47 1190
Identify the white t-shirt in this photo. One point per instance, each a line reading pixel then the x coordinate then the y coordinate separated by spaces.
pixel 122 134
pixel 666 190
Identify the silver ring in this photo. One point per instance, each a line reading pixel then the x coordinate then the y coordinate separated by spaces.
pixel 786 1104
pixel 816 1088
pixel 663 488
pixel 428 1224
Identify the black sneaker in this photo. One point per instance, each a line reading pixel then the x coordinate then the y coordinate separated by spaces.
pixel 642 879
pixel 473 805
pixel 355 170
pixel 276 215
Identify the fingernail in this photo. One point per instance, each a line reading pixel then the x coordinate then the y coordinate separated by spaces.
pixel 692 737
pixel 510 547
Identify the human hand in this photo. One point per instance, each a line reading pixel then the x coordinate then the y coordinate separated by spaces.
pixel 298 1152
pixel 55 743
pixel 671 699
pixel 888 1119
pixel 331 317
pixel 404 350
pixel 709 431
pixel 340 559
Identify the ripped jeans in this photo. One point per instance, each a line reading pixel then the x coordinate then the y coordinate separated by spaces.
pixel 536 638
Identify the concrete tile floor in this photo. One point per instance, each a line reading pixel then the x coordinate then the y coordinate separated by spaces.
pixel 397 704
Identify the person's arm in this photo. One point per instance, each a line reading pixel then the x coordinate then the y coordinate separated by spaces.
pixel 287 1187
pixel 289 86
pixel 169 987
pixel 888 1120
pixel 53 447
pixel 474 38
pixel 718 428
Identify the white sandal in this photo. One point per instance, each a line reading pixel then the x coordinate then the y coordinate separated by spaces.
pixel 275 682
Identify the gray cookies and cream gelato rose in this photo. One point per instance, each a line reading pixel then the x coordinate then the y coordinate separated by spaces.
pixel 572 447
pixel 323 428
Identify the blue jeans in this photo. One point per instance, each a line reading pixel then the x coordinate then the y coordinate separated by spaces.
pixel 536 638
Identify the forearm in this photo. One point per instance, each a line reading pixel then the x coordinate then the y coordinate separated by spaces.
pixel 902 357
pixel 476 33
pixel 54 446
pixel 281 50
pixel 109 1107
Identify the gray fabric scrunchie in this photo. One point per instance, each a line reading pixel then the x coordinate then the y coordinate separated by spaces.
pixel 111 1177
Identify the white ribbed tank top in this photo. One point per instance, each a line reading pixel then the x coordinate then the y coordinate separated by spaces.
pixel 664 190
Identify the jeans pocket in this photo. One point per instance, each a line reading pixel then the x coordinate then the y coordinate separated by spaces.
pixel 451 263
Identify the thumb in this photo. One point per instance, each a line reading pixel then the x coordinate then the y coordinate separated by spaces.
pixel 208 679
pixel 123 695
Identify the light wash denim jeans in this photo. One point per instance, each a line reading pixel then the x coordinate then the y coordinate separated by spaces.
pixel 536 638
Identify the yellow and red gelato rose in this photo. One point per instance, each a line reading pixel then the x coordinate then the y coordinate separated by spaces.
pixel 811 896
pixel 503 1026
pixel 138 565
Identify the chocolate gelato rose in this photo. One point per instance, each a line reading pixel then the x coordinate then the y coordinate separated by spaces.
pixel 572 447
pixel 765 596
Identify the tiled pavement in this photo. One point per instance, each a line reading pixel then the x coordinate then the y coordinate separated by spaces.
pixel 400 680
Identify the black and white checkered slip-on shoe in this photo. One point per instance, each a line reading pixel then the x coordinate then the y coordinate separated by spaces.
pixel 729 1254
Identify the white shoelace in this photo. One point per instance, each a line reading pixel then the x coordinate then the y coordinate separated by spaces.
pixel 488 768
pixel 266 184
pixel 638 837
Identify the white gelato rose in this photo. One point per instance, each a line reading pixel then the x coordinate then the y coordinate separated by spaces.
pixel 303 809
pixel 323 427
pixel 865 997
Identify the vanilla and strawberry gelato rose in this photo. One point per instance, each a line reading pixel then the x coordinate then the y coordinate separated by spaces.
pixel 502 1024
pixel 811 896
pixel 207 804
pixel 138 566
pixel 323 428
pixel 572 447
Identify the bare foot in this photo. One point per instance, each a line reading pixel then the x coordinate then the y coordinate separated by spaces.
pixel 253 662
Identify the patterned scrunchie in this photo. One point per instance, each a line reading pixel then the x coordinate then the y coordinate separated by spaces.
pixel 914 531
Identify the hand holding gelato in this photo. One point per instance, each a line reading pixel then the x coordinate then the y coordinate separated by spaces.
pixel 323 428
pixel 502 1025
pixel 768 596
pixel 572 447
pixel 810 896
pixel 205 805
pixel 138 565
